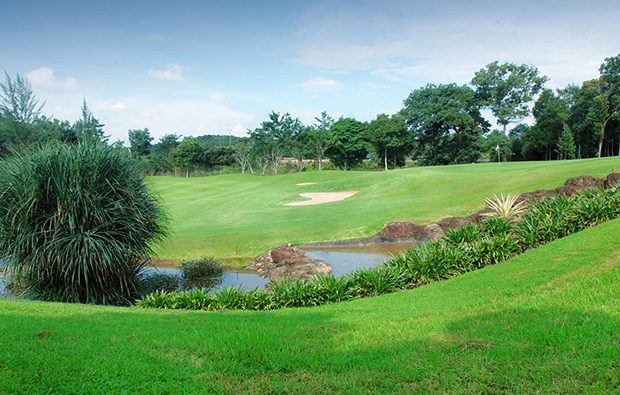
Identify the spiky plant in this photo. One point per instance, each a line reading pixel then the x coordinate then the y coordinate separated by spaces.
pixel 505 206
pixel 76 222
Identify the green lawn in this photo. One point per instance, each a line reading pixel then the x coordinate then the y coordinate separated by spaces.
pixel 547 321
pixel 238 217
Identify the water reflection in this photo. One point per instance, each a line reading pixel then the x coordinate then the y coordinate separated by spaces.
pixel 343 262
pixel 228 279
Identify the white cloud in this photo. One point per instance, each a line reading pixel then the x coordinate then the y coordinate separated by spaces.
pixel 110 106
pixel 320 84
pixel 172 72
pixel 217 96
pixel 44 78
pixel 186 117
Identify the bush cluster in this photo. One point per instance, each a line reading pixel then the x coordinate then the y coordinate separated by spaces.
pixel 198 269
pixel 461 250
pixel 76 222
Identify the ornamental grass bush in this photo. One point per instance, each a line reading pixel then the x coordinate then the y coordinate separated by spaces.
pixel 76 223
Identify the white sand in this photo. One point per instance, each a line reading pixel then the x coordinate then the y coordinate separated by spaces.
pixel 307 183
pixel 322 197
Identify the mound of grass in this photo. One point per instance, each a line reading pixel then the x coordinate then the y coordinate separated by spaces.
pixel 543 322
pixel 236 218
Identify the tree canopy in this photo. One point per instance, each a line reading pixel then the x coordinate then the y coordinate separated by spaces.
pixel 446 124
pixel 507 89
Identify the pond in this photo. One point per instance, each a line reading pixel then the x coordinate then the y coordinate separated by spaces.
pixel 343 259
pixel 243 279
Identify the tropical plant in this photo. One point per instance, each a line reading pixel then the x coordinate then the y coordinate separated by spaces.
pixel 506 206
pixel 76 222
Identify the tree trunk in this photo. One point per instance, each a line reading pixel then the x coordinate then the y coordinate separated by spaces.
pixel 600 143
pixel 187 172
pixel 385 158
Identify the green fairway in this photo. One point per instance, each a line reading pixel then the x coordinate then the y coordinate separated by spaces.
pixel 238 217
pixel 544 322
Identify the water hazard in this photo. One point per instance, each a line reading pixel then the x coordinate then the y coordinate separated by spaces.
pixel 343 259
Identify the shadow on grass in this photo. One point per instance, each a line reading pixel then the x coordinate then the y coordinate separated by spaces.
pixel 510 351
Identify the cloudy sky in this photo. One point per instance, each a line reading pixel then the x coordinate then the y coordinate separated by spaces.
pixel 219 67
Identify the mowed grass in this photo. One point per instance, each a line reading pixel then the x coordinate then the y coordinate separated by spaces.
pixel 545 322
pixel 236 218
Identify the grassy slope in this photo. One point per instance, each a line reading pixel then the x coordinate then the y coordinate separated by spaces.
pixel 220 215
pixel 545 322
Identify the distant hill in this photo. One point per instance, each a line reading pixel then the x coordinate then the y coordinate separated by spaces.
pixel 215 140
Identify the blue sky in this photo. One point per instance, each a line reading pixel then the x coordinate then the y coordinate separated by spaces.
pixel 209 67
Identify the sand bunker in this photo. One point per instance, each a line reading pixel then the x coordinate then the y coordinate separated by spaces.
pixel 307 183
pixel 322 197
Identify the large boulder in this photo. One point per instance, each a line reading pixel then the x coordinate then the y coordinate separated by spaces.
pixel 290 262
pixel 282 253
pixel 581 181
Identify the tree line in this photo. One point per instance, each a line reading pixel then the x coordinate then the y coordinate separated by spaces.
pixel 438 125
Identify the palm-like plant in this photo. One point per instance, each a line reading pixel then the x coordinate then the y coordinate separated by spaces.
pixel 76 222
pixel 505 206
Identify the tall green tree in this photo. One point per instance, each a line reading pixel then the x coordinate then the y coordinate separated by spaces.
pixel 497 142
pixel 166 144
pixel 88 127
pixel 243 154
pixel 219 157
pixel 188 155
pixel 607 104
pixel 274 139
pixel 140 143
pixel 390 138
pixel 348 145
pixel 446 124
pixel 507 89
pixel 551 112
pixel 19 109
pixel 319 136
pixel 565 147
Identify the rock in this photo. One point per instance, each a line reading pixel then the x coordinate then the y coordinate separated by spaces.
pixel 581 181
pixel 280 254
pixel 430 232
pixel 612 179
pixel 304 271
pixel 568 190
pixel 287 261
pixel 600 182
pixel 399 229
pixel 537 194
pixel 454 222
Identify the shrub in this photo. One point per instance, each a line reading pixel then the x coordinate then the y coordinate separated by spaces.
pixel 467 233
pixel 202 268
pixel 76 222
pixel 545 221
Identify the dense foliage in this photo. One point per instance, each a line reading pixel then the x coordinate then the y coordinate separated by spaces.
pixel 76 222
pixel 461 250
pixel 438 125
